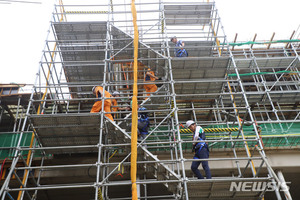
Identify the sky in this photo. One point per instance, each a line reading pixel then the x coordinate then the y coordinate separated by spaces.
pixel 24 28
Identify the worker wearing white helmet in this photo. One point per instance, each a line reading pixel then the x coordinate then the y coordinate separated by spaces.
pixel 115 107
pixel 200 148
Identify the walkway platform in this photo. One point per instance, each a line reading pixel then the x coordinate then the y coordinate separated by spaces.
pixel 67 130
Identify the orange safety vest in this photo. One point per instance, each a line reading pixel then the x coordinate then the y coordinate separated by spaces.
pixel 115 105
pixel 151 78
pixel 99 89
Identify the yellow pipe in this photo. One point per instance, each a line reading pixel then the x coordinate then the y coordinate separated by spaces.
pixel 217 40
pixel 38 112
pixel 133 165
pixel 239 119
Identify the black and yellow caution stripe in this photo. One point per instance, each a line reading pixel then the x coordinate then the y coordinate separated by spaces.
pixel 211 130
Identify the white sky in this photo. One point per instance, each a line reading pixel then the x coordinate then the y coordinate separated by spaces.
pixel 24 29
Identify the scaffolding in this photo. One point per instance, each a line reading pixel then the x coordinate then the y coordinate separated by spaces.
pixel 249 94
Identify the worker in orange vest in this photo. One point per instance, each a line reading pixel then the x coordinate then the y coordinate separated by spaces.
pixel 97 107
pixel 150 78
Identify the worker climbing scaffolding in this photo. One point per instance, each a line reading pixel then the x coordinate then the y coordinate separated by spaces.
pixel 143 123
pixel 150 77
pixel 115 106
pixel 201 150
pixel 179 51
pixel 100 92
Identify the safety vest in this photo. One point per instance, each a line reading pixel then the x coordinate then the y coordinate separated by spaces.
pixel 99 94
pixel 149 78
pixel 200 145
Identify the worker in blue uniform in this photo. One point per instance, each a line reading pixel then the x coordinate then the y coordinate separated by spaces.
pixel 179 51
pixel 143 124
pixel 200 148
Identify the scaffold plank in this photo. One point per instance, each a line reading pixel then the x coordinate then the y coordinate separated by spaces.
pixel 221 189
pixel 265 62
pixel 200 63
pixel 188 14
pixel 66 130
pixel 197 48
pixel 76 32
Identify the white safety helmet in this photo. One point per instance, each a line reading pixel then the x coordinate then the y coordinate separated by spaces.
pixel 115 93
pixel 93 89
pixel 189 123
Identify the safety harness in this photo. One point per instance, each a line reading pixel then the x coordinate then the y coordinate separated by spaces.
pixel 180 52
pixel 200 145
pixel 143 120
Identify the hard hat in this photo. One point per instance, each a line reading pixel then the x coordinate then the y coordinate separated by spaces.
pixel 142 108
pixel 173 38
pixel 189 123
pixel 93 89
pixel 115 93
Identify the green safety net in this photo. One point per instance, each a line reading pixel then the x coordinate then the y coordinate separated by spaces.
pixel 260 43
pixel 273 135
pixel 11 140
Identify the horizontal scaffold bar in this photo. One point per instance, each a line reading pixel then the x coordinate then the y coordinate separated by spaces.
pixel 85 12
pixel 262 73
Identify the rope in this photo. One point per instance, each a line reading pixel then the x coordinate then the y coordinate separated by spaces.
pixel 162 24
pixel 172 106
pixel 100 194
pixel 2 169
pixel 113 154
pixel 133 166
pixel 268 42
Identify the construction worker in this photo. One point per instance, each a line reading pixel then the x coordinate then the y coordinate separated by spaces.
pixel 200 148
pixel 143 124
pixel 97 107
pixel 150 78
pixel 115 107
pixel 179 51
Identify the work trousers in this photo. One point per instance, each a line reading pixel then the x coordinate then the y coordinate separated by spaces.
pixel 201 154
pixel 97 107
pixel 150 88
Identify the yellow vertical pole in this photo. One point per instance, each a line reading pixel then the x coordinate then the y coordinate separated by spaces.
pixel 38 112
pixel 215 34
pixel 133 167
pixel 240 124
